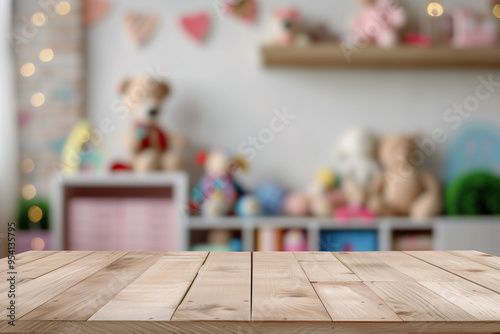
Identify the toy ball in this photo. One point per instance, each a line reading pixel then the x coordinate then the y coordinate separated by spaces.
pixel 271 197
pixel 295 241
pixel 248 206
pixel 296 204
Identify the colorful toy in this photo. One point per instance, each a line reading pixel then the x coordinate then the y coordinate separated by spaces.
pixel 323 198
pixel 358 170
pixel 403 189
pixel 150 147
pixel 474 146
pixel 217 191
pixel 220 241
pixel 80 154
pixel 288 28
pixel 296 204
pixel 348 241
pixel 271 197
pixel 295 240
pixel 471 30
pixel 379 23
pixel 476 193
pixel 248 206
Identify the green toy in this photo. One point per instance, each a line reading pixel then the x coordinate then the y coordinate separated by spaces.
pixel 476 193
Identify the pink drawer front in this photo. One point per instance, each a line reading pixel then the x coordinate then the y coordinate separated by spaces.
pixel 122 224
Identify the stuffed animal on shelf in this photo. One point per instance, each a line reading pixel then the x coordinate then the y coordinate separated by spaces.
pixel 379 23
pixel 359 168
pixel 289 28
pixel 323 198
pixel 151 148
pixel 403 189
pixel 296 204
pixel 217 191
pixel 471 30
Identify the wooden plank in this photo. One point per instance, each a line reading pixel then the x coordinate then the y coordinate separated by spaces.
pixel 275 327
pixel 475 272
pixel 155 295
pixel 324 267
pixel 282 291
pixel 315 257
pixel 42 265
pixel 82 300
pixel 417 269
pixel 479 257
pixel 413 302
pixel 480 302
pixel 24 258
pixel 353 301
pixel 221 291
pixel 273 257
pixel 38 291
pixel 332 55
pixel 369 268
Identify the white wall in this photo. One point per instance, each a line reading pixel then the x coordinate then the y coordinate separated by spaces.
pixel 222 94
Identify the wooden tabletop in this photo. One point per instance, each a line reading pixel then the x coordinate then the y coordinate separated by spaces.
pixel 267 292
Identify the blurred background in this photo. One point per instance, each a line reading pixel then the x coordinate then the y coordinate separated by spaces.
pixel 250 125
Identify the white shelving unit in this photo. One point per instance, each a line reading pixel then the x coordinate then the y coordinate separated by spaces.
pixel 448 233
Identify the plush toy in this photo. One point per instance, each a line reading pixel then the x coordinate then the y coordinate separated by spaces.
pixel 288 28
pixel 248 206
pixel 379 23
pixel 295 240
pixel 471 30
pixel 150 147
pixel 217 190
pixel 271 197
pixel 359 168
pixel 323 198
pixel 296 204
pixel 475 193
pixel 403 189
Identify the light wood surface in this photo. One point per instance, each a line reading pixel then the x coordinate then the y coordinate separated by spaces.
pixel 259 292
pixel 333 55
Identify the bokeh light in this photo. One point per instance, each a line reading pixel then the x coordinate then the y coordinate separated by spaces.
pixel 28 191
pixel 63 8
pixel 37 244
pixel 38 19
pixel 35 214
pixel 435 9
pixel 37 99
pixel 496 10
pixel 27 166
pixel 46 55
pixel 27 70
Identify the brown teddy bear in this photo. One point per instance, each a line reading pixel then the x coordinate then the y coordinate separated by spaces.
pixel 403 189
pixel 151 148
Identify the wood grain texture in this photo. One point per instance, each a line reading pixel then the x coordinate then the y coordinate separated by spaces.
pixel 479 257
pixel 478 273
pixel 261 292
pixel 332 55
pixel 418 270
pixel 324 267
pixel 282 291
pixel 353 301
pixel 221 291
pixel 480 302
pixel 82 300
pixel 413 302
pixel 156 294
pixel 38 291
pixel 368 267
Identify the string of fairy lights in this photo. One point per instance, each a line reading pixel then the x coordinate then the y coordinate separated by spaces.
pixel 436 8
pixel 37 99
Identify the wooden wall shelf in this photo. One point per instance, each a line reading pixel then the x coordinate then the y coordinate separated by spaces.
pixel 332 55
